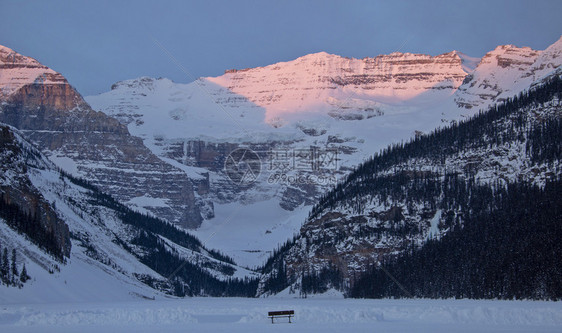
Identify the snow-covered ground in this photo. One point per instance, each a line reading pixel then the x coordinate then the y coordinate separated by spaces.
pixel 311 315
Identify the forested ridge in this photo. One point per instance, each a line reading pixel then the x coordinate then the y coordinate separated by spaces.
pixel 504 123
pixel 498 239
pixel 508 246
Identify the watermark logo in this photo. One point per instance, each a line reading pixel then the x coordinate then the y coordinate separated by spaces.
pixel 309 159
pixel 301 179
pixel 243 166
pixel 302 166
pixel 289 166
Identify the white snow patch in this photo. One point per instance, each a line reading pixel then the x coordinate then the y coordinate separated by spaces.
pixel 148 201
pixel 65 163
pixel 434 229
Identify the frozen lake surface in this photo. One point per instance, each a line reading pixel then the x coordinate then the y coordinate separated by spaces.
pixel 311 315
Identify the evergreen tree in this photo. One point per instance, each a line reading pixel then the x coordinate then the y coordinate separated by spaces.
pixel 5 267
pixel 15 273
pixel 1 264
pixel 23 275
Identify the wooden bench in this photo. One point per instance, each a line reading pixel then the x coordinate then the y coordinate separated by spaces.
pixel 281 314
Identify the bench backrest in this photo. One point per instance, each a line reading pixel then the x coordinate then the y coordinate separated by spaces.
pixel 281 313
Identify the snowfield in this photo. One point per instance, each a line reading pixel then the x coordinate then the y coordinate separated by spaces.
pixel 321 314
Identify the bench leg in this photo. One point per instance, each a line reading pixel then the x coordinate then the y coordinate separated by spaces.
pixel 273 318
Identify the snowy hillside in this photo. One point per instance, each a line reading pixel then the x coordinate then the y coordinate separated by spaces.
pixel 108 247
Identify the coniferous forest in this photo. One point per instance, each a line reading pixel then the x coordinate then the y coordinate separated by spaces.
pixel 509 122
pixel 19 216
pixel 506 243
pixel 507 247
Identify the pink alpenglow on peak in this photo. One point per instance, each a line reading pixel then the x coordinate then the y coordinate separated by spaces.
pixel 17 70
pixel 506 71
pixel 24 81
pixel 313 82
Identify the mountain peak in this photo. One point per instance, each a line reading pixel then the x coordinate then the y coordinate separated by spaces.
pixel 509 55
pixel 505 71
pixel 11 57
pixel 143 82
pixel 555 47
pixel 312 82
pixel 19 71
pixel 511 49
pixel 319 56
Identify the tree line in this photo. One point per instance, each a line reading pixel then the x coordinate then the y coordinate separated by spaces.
pixel 190 279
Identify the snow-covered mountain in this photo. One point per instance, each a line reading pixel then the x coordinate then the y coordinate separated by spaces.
pixel 318 104
pixel 52 114
pixel 436 184
pixel 90 247
pixel 506 71
pixel 323 82
pixel 183 152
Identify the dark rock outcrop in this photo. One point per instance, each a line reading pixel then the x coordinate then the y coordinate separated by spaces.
pixel 40 223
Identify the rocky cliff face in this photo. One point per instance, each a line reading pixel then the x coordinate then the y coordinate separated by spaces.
pixel 50 112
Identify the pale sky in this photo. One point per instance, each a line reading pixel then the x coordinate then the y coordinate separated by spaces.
pixel 96 43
